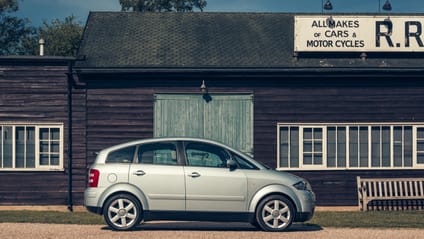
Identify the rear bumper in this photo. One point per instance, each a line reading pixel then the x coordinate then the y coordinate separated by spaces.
pixel 96 210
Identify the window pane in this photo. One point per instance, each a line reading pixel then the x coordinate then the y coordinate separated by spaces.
pixel 317 159
pixel 307 159
pixel 44 159
pixel 125 155
pixel 307 147
pixel 284 147
pixel 420 133
pixel 386 146
pixel 44 134
pixel 363 146
pixel 54 160
pixel 318 147
pixel 54 134
pixel 44 147
pixel 30 147
pixel 20 147
pixel 375 147
pixel 397 146
pixel 294 147
pixel 341 147
pixel 307 133
pixel 420 158
pixel 317 133
pixel 420 145
pixel 203 155
pixel 54 148
pixel 331 147
pixel 1 147
pixel 8 141
pixel 158 153
pixel 407 146
pixel 353 147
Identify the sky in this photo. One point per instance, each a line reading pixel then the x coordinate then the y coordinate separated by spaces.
pixel 38 10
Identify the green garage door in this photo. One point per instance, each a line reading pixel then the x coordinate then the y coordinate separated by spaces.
pixel 225 118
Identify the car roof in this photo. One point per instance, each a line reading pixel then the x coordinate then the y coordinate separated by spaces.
pixel 167 139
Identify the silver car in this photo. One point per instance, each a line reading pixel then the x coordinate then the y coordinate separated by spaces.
pixel 192 179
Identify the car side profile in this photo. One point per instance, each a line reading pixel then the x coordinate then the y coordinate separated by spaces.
pixel 192 179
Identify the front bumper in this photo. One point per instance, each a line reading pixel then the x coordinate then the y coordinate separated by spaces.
pixel 308 200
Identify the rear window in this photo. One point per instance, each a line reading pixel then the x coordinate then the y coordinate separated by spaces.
pixel 124 155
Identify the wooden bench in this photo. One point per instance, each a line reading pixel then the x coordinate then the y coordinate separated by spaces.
pixel 390 193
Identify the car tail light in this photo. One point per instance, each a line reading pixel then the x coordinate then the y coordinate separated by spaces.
pixel 93 178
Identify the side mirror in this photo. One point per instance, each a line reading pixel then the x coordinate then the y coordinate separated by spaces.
pixel 231 164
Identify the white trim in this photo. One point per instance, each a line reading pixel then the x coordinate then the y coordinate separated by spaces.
pixel 347 126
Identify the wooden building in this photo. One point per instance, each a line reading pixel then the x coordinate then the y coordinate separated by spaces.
pixel 35 113
pixel 243 79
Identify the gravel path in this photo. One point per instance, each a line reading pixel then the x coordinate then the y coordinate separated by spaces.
pixel 171 230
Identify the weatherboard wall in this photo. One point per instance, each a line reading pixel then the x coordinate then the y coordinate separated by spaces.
pixel 35 92
pixel 120 109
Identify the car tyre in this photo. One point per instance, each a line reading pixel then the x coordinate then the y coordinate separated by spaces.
pixel 275 213
pixel 122 212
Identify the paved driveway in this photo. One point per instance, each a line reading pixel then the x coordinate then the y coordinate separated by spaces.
pixel 187 230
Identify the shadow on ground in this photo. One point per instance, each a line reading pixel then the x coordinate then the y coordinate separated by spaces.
pixel 213 226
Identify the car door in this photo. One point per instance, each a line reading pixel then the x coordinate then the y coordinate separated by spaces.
pixel 159 175
pixel 210 185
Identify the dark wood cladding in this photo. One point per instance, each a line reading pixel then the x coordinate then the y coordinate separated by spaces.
pixel 369 101
pixel 32 93
pixel 125 112
pixel 338 188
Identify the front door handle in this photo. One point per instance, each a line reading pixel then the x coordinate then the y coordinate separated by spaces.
pixel 139 173
pixel 194 175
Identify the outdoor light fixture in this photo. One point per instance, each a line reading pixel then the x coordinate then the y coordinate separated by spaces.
pixel 328 6
pixel 387 6
pixel 205 93
pixel 203 88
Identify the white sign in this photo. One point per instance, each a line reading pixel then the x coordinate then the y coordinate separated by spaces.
pixel 359 34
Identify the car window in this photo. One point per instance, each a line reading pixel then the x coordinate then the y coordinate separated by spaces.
pixel 157 153
pixel 124 155
pixel 204 155
pixel 243 164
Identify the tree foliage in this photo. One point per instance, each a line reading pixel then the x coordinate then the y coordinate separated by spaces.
pixel 15 33
pixel 162 5
pixel 18 37
pixel 62 38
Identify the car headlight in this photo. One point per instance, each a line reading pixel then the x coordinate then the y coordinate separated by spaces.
pixel 302 185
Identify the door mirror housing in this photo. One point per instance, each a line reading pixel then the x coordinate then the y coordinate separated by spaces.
pixel 231 164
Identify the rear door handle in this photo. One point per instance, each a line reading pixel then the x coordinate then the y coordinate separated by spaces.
pixel 139 173
pixel 194 175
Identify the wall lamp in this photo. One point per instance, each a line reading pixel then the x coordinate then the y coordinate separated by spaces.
pixel 203 88
pixel 205 92
pixel 386 7
pixel 328 5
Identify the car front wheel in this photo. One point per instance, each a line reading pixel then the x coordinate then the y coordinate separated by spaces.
pixel 275 213
pixel 122 212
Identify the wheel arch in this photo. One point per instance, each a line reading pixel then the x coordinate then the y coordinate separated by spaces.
pixel 274 190
pixel 124 189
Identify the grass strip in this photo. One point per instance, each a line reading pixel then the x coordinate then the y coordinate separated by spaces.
pixel 378 219
pixel 372 219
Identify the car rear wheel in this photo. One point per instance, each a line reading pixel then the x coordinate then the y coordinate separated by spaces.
pixel 122 212
pixel 275 213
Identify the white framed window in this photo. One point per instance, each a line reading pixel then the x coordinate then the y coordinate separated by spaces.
pixel 26 147
pixel 312 148
pixel 350 146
